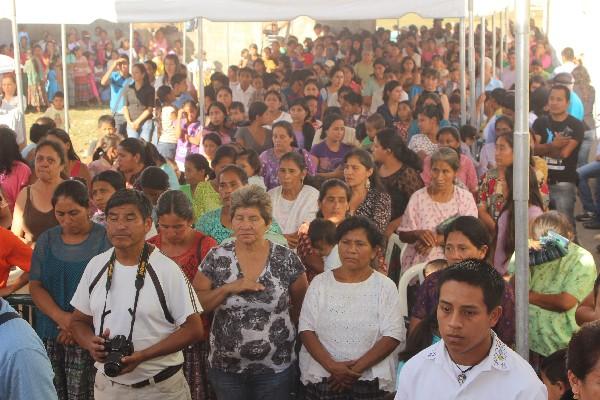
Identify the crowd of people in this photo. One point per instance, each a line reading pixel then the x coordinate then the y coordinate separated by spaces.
pixel 243 255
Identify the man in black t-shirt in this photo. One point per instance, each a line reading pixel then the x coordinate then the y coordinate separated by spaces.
pixel 558 137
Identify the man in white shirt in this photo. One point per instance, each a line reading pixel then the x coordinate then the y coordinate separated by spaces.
pixel 243 91
pixel 568 61
pixel 470 362
pixel 14 119
pixel 134 293
pixel 490 82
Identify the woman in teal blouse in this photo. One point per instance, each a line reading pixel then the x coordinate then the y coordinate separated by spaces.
pixel 217 223
pixel 59 259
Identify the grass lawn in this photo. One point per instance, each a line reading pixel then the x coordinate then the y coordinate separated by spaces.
pixel 84 126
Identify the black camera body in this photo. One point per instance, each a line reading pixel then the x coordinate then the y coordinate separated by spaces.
pixel 117 348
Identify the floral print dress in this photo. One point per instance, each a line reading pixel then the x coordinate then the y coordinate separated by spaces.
pixel 491 193
pixel 252 332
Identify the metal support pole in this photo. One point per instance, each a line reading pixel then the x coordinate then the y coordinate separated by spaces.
pixel 17 55
pixel 521 176
pixel 481 116
pixel 472 97
pixel 200 58
pixel 130 47
pixel 547 19
pixel 494 44
pixel 184 42
pixel 228 49
pixel 463 77
pixel 63 40
pixel 502 34
pixel 506 28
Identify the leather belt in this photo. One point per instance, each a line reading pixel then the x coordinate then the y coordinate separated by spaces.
pixel 160 377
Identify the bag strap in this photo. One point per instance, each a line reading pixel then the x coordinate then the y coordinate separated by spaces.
pixel 161 294
pixel 97 278
pixel 7 316
pixel 155 282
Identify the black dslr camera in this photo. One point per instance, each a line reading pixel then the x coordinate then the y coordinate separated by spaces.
pixel 117 348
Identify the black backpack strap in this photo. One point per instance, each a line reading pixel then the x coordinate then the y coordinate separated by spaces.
pixel 7 316
pixel 161 293
pixel 97 278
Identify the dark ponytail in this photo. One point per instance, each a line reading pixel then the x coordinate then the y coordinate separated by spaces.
pixel 389 140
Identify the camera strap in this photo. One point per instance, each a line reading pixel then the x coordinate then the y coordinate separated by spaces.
pixel 139 283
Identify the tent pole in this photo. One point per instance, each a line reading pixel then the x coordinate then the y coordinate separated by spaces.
pixel 521 176
pixel 502 31
pixel 130 47
pixel 480 116
pixel 472 98
pixel 63 39
pixel 494 44
pixel 200 58
pixel 228 49
pixel 17 55
pixel 547 18
pixel 463 77
pixel 184 42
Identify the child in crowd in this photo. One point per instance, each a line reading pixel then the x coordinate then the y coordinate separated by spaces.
pixel 165 108
pixel 313 105
pixel 553 371
pixel 454 116
pixel 52 82
pixel 249 161
pixel 197 169
pixel 105 155
pixel 37 132
pixel 34 70
pixel 180 90
pixel 189 132
pixel 468 137
pixel 168 166
pixel 354 117
pixel 237 114
pixel 405 115
pixel 106 126
pixel 154 182
pixel 321 233
pixel 104 185
pixel 434 266
pixel 373 124
pixel 210 143
pixel 56 111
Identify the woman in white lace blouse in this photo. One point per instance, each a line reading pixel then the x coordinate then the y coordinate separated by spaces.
pixel 349 324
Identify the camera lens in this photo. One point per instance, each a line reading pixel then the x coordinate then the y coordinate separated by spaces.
pixel 112 369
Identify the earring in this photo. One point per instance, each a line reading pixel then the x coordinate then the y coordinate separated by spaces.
pixel 576 396
pixel 368 184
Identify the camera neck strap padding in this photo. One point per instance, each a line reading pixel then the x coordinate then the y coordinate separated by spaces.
pixel 139 283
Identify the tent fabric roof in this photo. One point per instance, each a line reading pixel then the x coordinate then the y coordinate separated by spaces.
pixel 88 11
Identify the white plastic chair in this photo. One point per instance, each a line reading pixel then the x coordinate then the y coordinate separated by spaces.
pixel 393 242
pixel 417 270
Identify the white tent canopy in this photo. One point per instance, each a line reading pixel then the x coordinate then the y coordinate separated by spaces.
pixel 88 11
pixel 132 11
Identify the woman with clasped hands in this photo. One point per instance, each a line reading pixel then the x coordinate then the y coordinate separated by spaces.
pixel 255 288
pixel 350 326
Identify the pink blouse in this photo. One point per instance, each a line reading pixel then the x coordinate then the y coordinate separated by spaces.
pixel 11 184
pixel 423 213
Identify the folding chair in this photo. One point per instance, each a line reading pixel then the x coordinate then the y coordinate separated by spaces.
pixel 407 277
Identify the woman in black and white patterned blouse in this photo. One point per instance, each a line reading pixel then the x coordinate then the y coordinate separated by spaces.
pixel 255 289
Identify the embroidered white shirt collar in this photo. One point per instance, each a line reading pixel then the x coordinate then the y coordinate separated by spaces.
pixel 503 374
